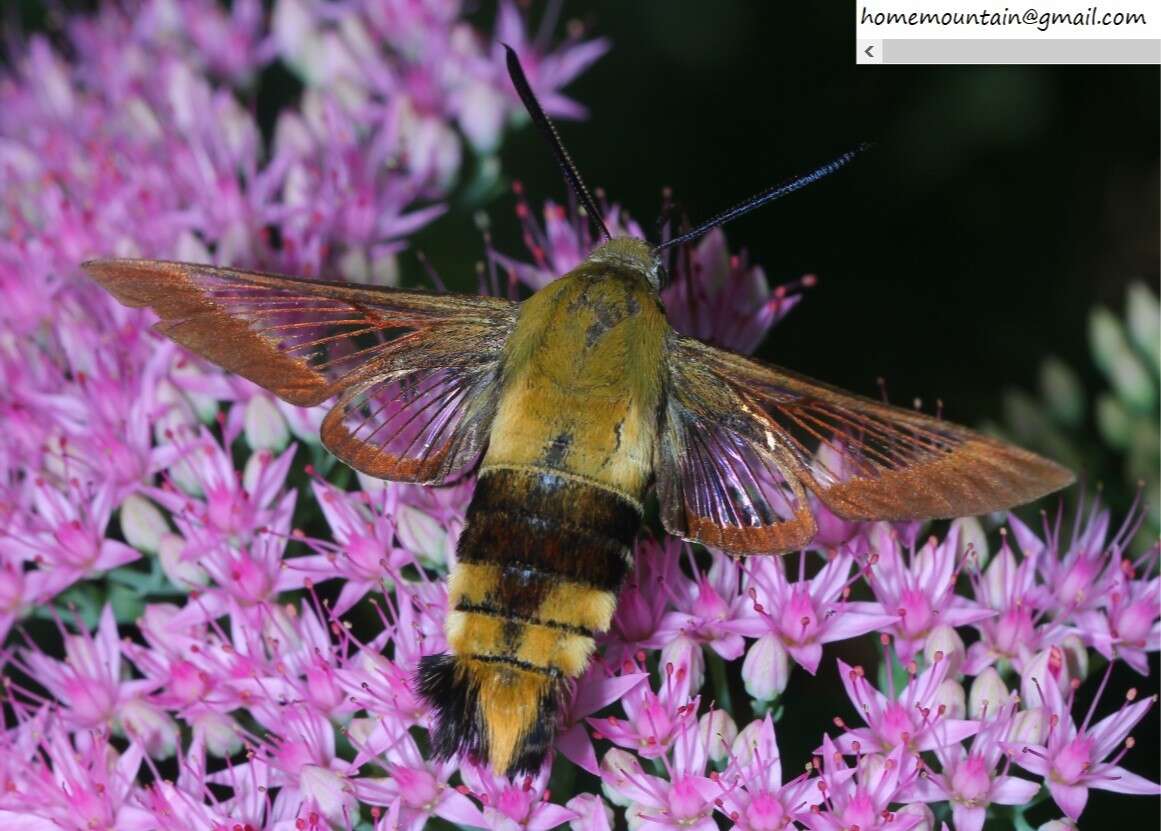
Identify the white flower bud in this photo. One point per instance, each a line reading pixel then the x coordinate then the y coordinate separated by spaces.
pixel 618 765
pixel 421 534
pixel 1048 666
pixel 1029 726
pixel 1058 825
pixel 154 728
pixel 1143 316
pixel 594 814
pixel 1062 390
pixel 918 809
pixel 988 695
pixel 944 639
pixel 688 661
pixel 142 523
pixel 766 668
pixel 265 427
pixel 971 536
pixel 333 794
pixel 951 697
pixel 361 729
pixel 717 731
pixel 1075 657
pixel 745 742
pixel 185 574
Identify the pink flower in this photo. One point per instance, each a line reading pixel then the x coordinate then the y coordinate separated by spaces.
pixel 968 778
pixel 415 789
pixel 1127 625
pixel 1072 759
pixel 721 298
pixel 75 784
pixel 684 799
pixel 512 806
pixel 753 796
pixel 1015 634
pixel 653 720
pixel 860 797
pixel 913 719
pixel 707 607
pixel 808 613
pixel 919 588
pixel 88 684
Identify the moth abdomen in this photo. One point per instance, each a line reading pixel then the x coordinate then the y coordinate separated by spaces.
pixel 539 566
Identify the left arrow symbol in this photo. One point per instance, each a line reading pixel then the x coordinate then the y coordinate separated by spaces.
pixel 867 51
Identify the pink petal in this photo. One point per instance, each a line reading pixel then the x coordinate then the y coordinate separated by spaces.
pixel 575 746
pixel 808 657
pixel 1070 798
pixel 847 624
pixel 1109 732
pixel 596 694
pixel 948 731
pixel 1118 779
pixel 1011 790
pixel 1032 757
pixel 967 819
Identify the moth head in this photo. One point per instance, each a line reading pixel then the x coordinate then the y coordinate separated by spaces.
pixel 631 254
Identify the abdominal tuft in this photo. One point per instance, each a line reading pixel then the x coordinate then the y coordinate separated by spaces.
pixel 491 712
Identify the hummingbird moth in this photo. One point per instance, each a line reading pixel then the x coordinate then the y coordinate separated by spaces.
pixel 570 407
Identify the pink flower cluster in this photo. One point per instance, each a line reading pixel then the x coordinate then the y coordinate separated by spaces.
pixel 209 624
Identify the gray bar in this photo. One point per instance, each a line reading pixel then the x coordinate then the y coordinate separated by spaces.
pixel 1032 51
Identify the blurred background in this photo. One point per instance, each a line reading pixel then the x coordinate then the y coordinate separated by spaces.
pixel 1000 209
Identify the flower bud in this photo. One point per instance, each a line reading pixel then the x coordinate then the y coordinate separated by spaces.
pixel 717 732
pixel 188 376
pixel 265 427
pixel 688 661
pixel 142 523
pixel 593 813
pixel 1062 391
pixel 972 541
pixel 1029 726
pixel 361 730
pixel 918 809
pixel 421 534
pixel 304 422
pixel 1126 372
pixel 185 574
pixel 997 576
pixel 766 668
pixel 744 743
pixel 950 696
pixel 1048 666
pixel 988 695
pixel 176 411
pixel 945 639
pixel 636 815
pixel 618 766
pixel 1143 316
pixel 1075 657
pixel 151 726
pixel 331 792
pixel 1058 825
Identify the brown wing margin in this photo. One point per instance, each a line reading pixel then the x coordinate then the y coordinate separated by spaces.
pixel 718 483
pixel 301 339
pixel 416 371
pixel 894 464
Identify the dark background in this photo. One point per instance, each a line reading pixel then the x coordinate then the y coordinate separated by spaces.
pixel 998 206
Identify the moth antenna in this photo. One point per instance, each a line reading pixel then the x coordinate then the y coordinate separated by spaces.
pixel 760 199
pixel 541 120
